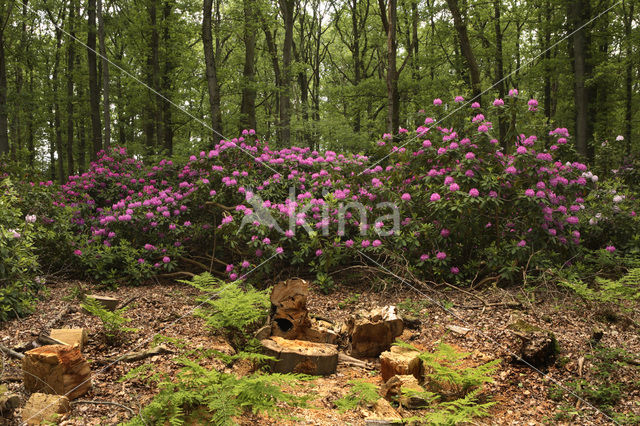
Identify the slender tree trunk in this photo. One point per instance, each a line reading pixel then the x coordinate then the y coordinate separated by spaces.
pixel 248 103
pixel 94 92
pixel 211 69
pixel 357 66
pixel 57 127
pixel 273 53
pixel 4 116
pixel 167 120
pixel 581 94
pixel 121 102
pixel 106 104
pixel 286 7
pixel 502 127
pixel 155 75
pixel 465 47
pixel 70 71
pixel 547 58
pixel 31 155
pixel 393 98
pixel 628 102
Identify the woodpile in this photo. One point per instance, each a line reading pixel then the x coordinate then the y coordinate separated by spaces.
pixel 56 369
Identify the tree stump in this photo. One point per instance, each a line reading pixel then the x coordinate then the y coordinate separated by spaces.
pixel 372 332
pixel 538 347
pixel 109 303
pixel 300 356
pixel 70 336
pixel 290 316
pixel 8 401
pixel 43 408
pixel 383 415
pixel 406 389
pixel 400 361
pixel 56 369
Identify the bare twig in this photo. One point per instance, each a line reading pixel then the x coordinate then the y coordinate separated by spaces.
pixel 10 352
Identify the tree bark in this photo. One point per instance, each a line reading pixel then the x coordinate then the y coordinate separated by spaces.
pixel 248 103
pixel 106 105
pixel 502 128
pixel 465 47
pixel 393 98
pixel 4 116
pixel 70 69
pixel 579 52
pixel 628 102
pixel 167 121
pixel 547 59
pixel 211 69
pixel 94 92
pixel 286 7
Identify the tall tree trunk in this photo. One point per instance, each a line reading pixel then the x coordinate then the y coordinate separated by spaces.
pixel 248 103
pixel 286 7
pixel 211 69
pixel 167 120
pixel 4 116
pixel 497 5
pixel 580 54
pixel 547 58
pixel 121 102
pixel 273 54
pixel 94 92
pixel 70 70
pixel 57 127
pixel 628 104
pixel 31 155
pixel 357 65
pixel 393 98
pixel 155 75
pixel 465 47
pixel 106 104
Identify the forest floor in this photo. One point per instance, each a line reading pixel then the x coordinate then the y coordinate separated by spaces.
pixel 522 395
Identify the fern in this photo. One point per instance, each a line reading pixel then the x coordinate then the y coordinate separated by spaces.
pixel 112 322
pixel 202 396
pixel 361 393
pixel 229 308
pixel 455 412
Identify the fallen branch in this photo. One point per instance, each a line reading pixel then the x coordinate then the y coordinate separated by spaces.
pixel 176 274
pixel 52 323
pixel 127 302
pixel 44 339
pixel 84 401
pixel 512 305
pixel 344 359
pixel 10 352
pixel 137 356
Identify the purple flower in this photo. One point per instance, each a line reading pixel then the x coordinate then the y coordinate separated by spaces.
pixel 498 102
pixel 349 243
pixel 77 252
pixel 522 243
pixel 454 270
pixel 473 192
pixel 366 243
pixel 530 193
pixel 233 276
pixel 279 250
pixel 266 241
pixel 435 197
pixel 458 99
pixel 406 196
pixel 318 252
pixel 229 267
pixel 376 243
pixel 610 249
pixel 441 255
pixel 475 105
pixel 454 187
pixel 424 257
pixel 166 259
pixel 141 261
pixel 437 101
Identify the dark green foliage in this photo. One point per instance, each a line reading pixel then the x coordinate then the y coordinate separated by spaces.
pixel 202 396
pixel 18 262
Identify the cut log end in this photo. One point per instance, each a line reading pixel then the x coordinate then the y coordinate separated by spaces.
pixel 299 356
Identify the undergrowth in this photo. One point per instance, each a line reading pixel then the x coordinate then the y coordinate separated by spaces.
pixel 199 395
pixel 112 322
pixel 231 309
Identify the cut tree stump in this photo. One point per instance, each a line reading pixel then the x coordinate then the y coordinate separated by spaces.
pixel 404 388
pixel 538 347
pixel 109 303
pixel 70 336
pixel 372 332
pixel 400 361
pixel 290 316
pixel 42 408
pixel 56 369
pixel 383 415
pixel 8 401
pixel 300 356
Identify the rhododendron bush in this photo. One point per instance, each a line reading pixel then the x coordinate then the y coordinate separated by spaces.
pixel 445 199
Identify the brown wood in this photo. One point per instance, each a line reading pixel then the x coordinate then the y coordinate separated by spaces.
pixel 42 408
pixel 137 356
pixel 299 356
pixel 70 336
pixel 56 369
pixel 10 352
pixel 8 401
pixel 400 361
pixel 109 303
pixel 290 317
pixel 398 387
pixel 372 332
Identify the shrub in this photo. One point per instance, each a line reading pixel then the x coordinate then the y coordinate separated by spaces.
pixel 19 282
